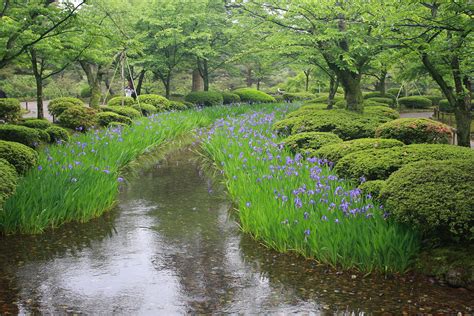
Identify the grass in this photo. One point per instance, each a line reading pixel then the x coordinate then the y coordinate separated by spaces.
pixel 79 180
pixel 292 204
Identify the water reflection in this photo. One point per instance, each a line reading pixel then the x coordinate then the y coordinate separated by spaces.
pixel 171 248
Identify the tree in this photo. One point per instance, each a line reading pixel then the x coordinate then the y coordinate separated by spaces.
pixel 440 32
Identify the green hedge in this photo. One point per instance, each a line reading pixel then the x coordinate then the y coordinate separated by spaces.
pixel 205 98
pixel 445 106
pixel 310 140
pixel 178 106
pixel 384 100
pixel 36 123
pixel 373 187
pixel 105 118
pixel 307 110
pixel 230 98
pixel 382 111
pixel 298 96
pixel 342 104
pixel 434 98
pixel 324 99
pixel 78 118
pixel 415 131
pixel 378 164
pixel 18 155
pixel 57 108
pixel 43 135
pixel 335 152
pixel 57 134
pixel 122 110
pixel 20 134
pixel 75 101
pixel 370 95
pixel 415 102
pixel 117 101
pixel 394 91
pixel 9 181
pixel 250 95
pixel 145 109
pixel 10 110
pixel 436 198
pixel 159 102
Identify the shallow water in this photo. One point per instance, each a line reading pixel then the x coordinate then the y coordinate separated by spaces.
pixel 171 247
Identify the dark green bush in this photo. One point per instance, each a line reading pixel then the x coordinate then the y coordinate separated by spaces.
pixel 9 180
pixel 57 134
pixel 145 109
pixel 20 134
pixel 298 96
pixel 105 118
pixel 177 106
pixel 415 131
pixel 122 110
pixel 336 151
pixel 307 109
pixel 78 118
pixel 75 101
pixel 394 91
pixel 230 98
pixel 434 98
pixel 43 135
pixel 373 187
pixel 249 95
pixel 370 95
pixel 415 102
pixel 127 101
pixel 342 104
pixel 382 111
pixel 445 106
pixel 205 98
pixel 159 102
pixel 388 101
pixel 57 108
pixel 436 198
pixel 36 123
pixel 378 164
pixel 10 110
pixel 310 140
pixel 18 155
pixel 324 99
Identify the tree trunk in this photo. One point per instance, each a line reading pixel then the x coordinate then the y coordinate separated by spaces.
pixel 352 89
pixel 248 77
pixel 462 114
pixel 333 85
pixel 198 83
pixel 167 84
pixel 37 72
pixel 258 84
pixel 108 86
pixel 141 78
pixel 307 73
pixel 205 75
pixel 94 77
pixel 380 84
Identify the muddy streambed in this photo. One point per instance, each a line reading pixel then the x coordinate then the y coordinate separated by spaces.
pixel 172 247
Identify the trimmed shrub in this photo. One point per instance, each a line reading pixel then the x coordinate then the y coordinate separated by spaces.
pixel 122 110
pixel 43 135
pixel 115 125
pixel 105 118
pixel 78 118
pixel 145 109
pixel 9 180
pixel 435 198
pixel 434 98
pixel 382 111
pixel 388 101
pixel 36 123
pixel 298 96
pixel 415 102
pixel 342 104
pixel 378 164
pixel 20 134
pixel 311 107
pixel 230 98
pixel 159 102
pixel 310 140
pixel 178 106
pixel 205 98
pixel 370 95
pixel 324 99
pixel 336 151
pixel 75 101
pixel 57 108
pixel 415 131
pixel 57 134
pixel 117 101
pixel 345 124
pixel 394 91
pixel 251 96
pixel 10 110
pixel 445 106
pixel 373 187
pixel 18 155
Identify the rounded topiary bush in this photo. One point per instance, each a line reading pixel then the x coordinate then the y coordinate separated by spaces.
pixel 57 108
pixel 324 99
pixel 205 98
pixel 394 91
pixel 370 95
pixel 10 110
pixel 298 96
pixel 311 140
pixel 382 111
pixel 57 134
pixel 78 118
pixel 445 106
pixel 388 101
pixel 18 155
pixel 20 134
pixel 159 102
pixel 436 198
pixel 434 98
pixel 372 188
pixel 415 131
pixel 145 109
pixel 415 102
pixel 122 110
pixel 36 123
pixel 43 135
pixel 249 95
pixel 9 178
pixel 178 106
pixel 378 164
pixel 335 152
pixel 117 101
pixel 75 101
pixel 105 118
pixel 230 98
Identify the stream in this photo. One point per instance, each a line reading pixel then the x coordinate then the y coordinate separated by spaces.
pixel 172 246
